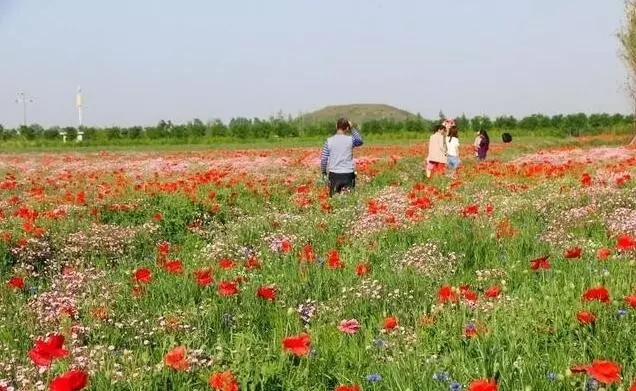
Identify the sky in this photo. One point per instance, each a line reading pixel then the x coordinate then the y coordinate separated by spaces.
pixel 140 61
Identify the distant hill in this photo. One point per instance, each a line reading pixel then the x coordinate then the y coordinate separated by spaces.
pixel 358 113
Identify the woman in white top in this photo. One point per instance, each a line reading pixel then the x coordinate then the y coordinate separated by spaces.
pixel 452 143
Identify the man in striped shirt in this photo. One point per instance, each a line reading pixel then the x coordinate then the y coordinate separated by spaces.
pixel 337 155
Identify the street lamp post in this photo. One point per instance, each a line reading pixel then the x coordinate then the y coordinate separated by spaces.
pixel 24 101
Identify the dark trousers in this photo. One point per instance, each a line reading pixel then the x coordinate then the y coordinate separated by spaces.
pixel 339 182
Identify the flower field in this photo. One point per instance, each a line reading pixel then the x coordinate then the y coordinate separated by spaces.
pixel 232 270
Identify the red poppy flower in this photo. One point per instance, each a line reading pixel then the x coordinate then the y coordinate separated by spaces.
pixel 573 253
pixel 267 293
pixel 224 381
pixel 47 350
pixel 73 380
pixel 177 359
pixel 633 387
pixel 16 283
pixel 390 322
pixel 540 263
pixel 333 260
pixel 203 277
pixel 285 246
pixel 631 301
pixel 446 295
pixel 603 253
pixel 353 387
pixel 163 248
pixel 483 385
pixel 470 295
pixel 252 263
pixel 604 371
pixel 362 269
pixel 599 293
pixel 174 266
pixel 585 317
pixel 228 288
pixel 470 210
pixel 586 180
pixel 308 254
pixel 226 264
pixel 143 275
pixel 298 345
pixel 493 292
pixel 625 243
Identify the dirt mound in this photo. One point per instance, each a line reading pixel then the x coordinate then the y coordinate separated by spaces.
pixel 578 155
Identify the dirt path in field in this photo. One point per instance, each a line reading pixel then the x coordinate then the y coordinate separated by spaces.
pixel 578 155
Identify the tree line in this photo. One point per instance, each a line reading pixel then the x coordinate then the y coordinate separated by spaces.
pixel 282 127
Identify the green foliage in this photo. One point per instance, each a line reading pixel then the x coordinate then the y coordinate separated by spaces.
pixel 279 127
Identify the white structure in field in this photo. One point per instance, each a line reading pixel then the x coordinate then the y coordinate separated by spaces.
pixel 79 102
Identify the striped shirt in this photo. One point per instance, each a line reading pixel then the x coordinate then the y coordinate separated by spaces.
pixel 337 153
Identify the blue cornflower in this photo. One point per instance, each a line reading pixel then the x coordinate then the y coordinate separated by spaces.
pixel 380 343
pixel 621 313
pixel 455 386
pixel 552 376
pixel 313 352
pixel 441 376
pixel 374 377
pixel 320 260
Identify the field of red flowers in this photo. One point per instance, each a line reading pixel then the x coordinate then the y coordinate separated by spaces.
pixel 233 270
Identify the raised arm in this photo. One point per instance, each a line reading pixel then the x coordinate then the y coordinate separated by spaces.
pixel 357 138
pixel 324 158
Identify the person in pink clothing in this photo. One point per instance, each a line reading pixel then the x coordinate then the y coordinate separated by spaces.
pixel 437 151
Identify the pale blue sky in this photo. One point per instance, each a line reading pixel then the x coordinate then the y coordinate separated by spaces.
pixel 140 61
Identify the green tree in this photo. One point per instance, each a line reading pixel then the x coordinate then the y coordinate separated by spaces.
pixel 627 40
pixel 51 133
pixel 556 121
pixel 134 133
pixel 218 128
pixel 197 128
pixel 600 121
pixel 529 123
pixel 71 133
pixel 113 133
pixel 575 124
pixel 462 122
pixel 6 133
pixel 481 122
pixel 240 127
pixel 506 122
pixel 31 132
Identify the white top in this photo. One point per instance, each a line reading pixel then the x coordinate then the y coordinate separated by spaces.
pixel 453 146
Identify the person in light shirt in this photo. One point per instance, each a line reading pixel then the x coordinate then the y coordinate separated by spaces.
pixel 452 145
pixel 336 161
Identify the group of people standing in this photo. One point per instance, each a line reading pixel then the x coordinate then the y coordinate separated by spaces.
pixel 443 148
pixel 338 168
